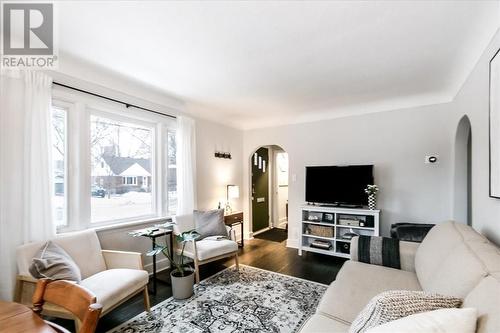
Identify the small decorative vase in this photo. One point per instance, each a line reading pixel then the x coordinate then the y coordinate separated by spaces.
pixel 372 201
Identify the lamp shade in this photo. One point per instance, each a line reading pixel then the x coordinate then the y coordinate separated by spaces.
pixel 233 191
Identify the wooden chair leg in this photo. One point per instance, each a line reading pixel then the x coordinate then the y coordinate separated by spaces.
pixel 147 306
pixel 196 272
pixel 237 262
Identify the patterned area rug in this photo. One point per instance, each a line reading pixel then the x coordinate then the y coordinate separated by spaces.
pixel 251 300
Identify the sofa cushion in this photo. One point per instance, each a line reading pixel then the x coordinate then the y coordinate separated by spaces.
pixel 357 283
pixel 211 247
pixel 438 321
pixel 485 297
pixel 114 285
pixel 453 258
pixel 82 246
pixel 319 323
pixel 52 262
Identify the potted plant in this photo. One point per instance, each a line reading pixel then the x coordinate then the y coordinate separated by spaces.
pixel 372 191
pixel 182 275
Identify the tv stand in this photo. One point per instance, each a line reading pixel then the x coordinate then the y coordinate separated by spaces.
pixel 329 225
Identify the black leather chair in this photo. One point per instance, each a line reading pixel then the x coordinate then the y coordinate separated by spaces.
pixel 411 232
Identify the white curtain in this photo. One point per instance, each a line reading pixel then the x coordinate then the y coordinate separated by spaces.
pixel 186 165
pixel 25 167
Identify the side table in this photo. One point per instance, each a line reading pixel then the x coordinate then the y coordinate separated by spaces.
pixel 153 233
pixel 232 220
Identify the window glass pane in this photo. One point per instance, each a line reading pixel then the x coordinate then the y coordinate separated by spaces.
pixel 59 166
pixel 171 173
pixel 122 159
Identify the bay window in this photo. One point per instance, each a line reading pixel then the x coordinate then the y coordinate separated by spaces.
pixel 121 163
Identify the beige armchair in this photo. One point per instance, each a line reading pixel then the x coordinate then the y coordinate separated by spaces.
pixel 113 276
pixel 206 250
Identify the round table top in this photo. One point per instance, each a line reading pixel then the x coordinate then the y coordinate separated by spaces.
pixel 18 318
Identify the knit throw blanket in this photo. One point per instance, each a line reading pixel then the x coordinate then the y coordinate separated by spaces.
pixel 379 251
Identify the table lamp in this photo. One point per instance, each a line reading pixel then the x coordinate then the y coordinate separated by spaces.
pixel 233 192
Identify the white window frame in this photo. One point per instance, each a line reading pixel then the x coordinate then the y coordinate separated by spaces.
pixel 64 107
pixel 79 108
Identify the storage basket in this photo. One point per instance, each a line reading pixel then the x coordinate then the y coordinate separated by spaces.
pixel 319 230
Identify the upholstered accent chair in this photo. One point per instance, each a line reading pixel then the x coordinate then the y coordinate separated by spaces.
pixel 206 250
pixel 113 276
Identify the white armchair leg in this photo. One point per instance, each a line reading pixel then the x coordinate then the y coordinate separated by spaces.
pixel 237 262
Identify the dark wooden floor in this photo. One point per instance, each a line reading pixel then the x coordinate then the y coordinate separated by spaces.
pixel 259 253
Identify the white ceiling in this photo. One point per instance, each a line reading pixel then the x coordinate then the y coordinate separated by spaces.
pixel 254 64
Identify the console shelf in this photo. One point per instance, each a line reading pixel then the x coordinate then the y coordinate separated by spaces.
pixel 320 222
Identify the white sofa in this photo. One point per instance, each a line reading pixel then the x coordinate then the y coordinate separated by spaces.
pixel 452 260
pixel 113 276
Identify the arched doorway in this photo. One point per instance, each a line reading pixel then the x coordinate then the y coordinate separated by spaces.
pixel 463 172
pixel 269 193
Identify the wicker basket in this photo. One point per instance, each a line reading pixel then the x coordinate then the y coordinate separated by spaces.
pixel 319 230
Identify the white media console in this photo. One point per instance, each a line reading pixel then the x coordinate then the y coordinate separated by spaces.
pixel 325 224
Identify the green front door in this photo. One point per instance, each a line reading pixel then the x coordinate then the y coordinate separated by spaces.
pixel 260 191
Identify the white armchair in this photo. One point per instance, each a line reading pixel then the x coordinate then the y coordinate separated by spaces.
pixel 113 276
pixel 206 250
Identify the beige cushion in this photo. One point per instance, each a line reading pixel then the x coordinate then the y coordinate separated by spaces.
pixel 322 324
pixel 113 285
pixel 82 246
pixel 52 262
pixel 438 321
pixel 485 297
pixel 453 258
pixel 395 304
pixel 357 283
pixel 210 247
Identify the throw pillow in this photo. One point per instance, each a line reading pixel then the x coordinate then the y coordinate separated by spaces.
pixel 395 304
pixel 210 223
pixel 52 262
pixel 438 321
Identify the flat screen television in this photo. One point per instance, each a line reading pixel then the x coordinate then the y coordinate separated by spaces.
pixel 338 185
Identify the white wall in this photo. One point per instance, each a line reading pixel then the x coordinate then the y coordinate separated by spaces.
pixel 395 142
pixel 214 174
pixel 473 101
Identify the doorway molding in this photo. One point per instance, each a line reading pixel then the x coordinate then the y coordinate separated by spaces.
pixel 249 186
pixel 462 180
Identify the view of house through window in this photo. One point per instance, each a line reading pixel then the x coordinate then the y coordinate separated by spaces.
pixel 59 165
pixel 121 170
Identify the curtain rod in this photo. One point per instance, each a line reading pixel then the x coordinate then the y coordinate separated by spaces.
pixel 127 105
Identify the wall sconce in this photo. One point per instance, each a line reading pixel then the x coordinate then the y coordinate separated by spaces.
pixel 219 154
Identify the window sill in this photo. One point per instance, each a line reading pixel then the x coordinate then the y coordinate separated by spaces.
pixel 125 225
pixel 121 225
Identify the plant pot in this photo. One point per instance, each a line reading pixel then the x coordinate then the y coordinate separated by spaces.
pixel 182 286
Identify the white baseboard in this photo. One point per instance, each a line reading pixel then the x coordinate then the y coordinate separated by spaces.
pixel 260 231
pixel 292 243
pixel 161 265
